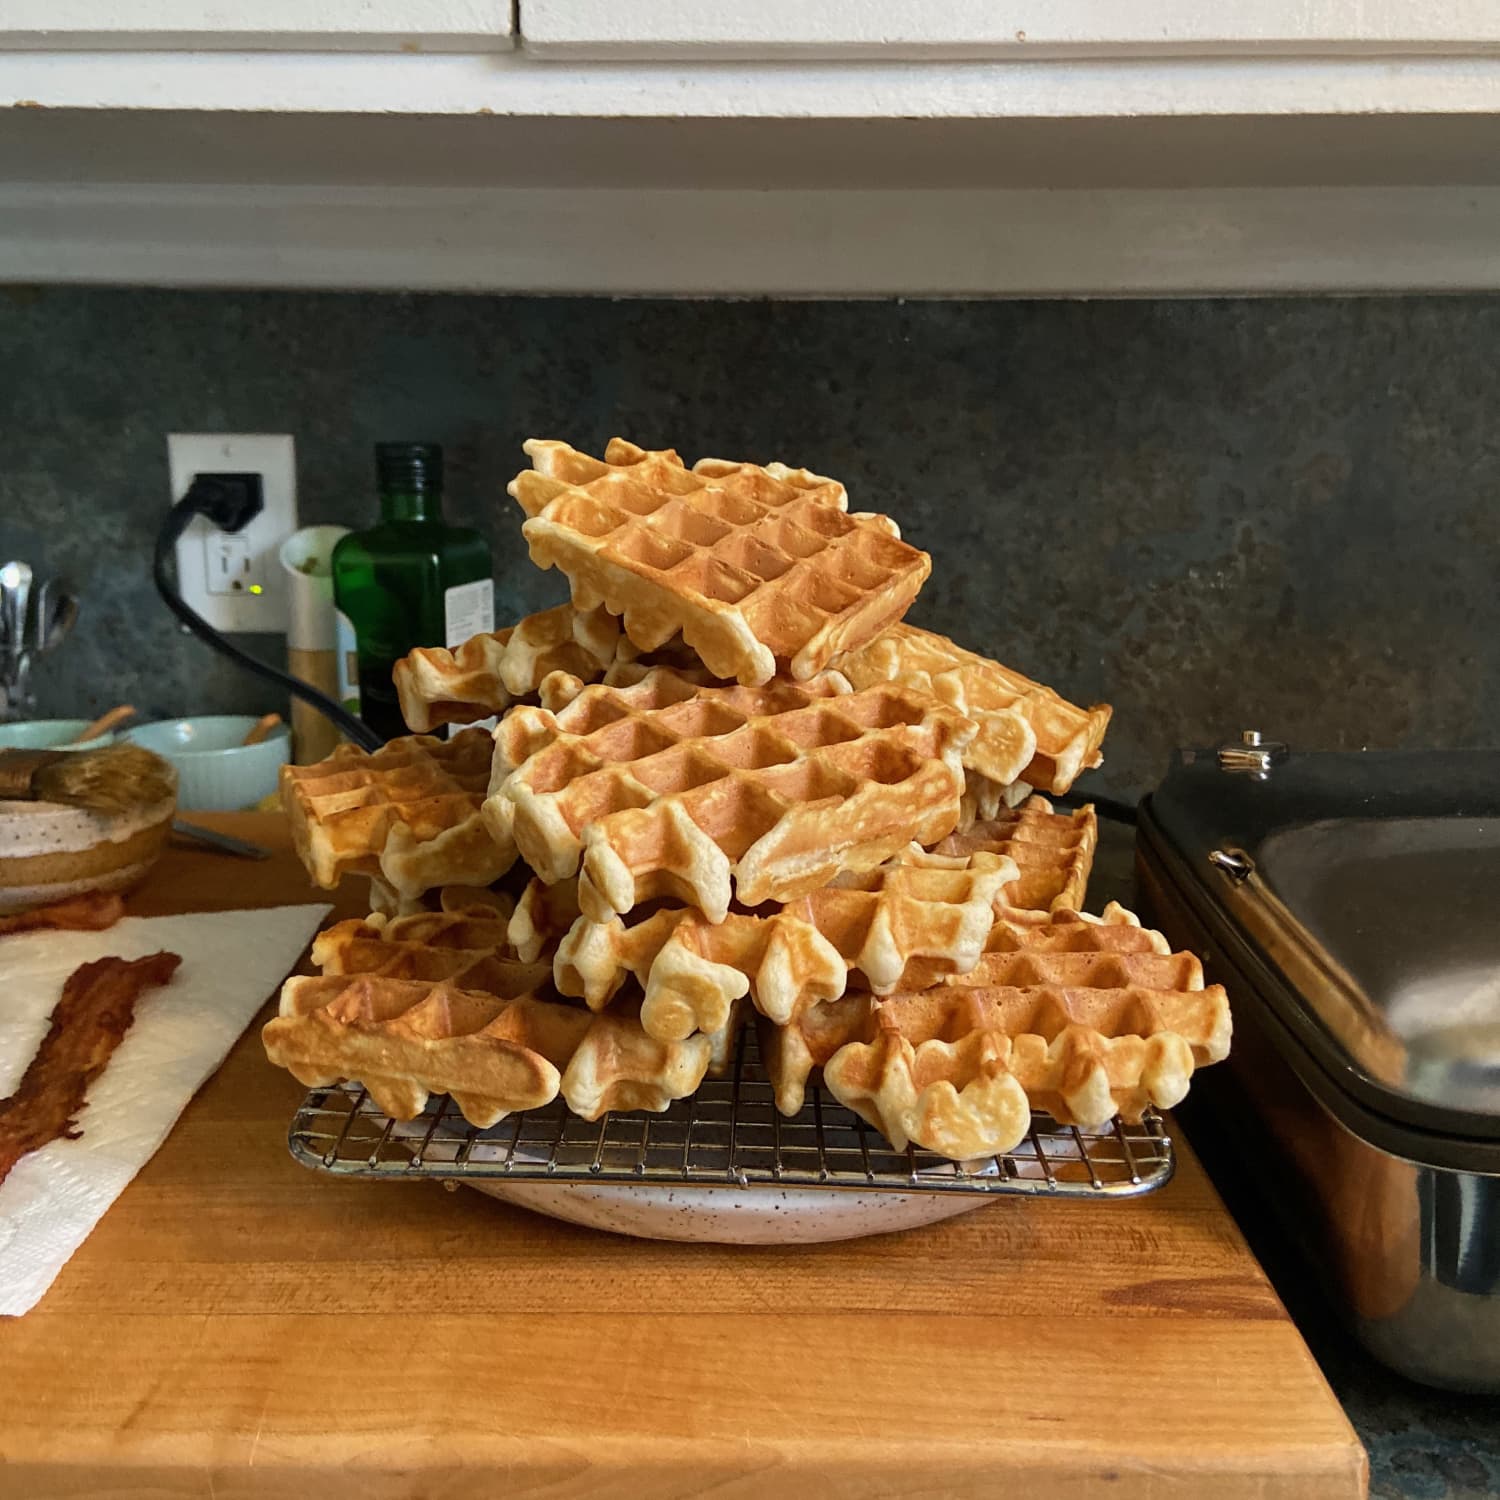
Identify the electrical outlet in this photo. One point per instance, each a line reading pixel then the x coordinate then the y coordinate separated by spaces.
pixel 231 568
pixel 233 579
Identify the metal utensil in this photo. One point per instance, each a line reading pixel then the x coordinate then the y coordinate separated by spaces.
pixel 56 614
pixel 15 601
pixel 13 698
pixel 15 596
pixel 211 838
pixel 35 620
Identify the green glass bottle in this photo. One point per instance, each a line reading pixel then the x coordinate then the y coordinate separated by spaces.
pixel 411 580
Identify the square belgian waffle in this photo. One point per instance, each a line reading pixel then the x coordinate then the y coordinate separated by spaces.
pixel 408 813
pixel 760 568
pixel 1027 732
pixel 467 949
pixel 1053 851
pixel 487 673
pixel 496 1054
pixel 1083 1018
pixel 703 794
pixel 904 925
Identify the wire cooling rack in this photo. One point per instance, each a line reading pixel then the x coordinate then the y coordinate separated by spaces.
pixel 727 1134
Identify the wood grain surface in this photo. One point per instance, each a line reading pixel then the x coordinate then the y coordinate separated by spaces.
pixel 240 1327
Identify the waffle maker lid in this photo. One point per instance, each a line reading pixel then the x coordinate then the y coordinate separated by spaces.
pixel 1360 892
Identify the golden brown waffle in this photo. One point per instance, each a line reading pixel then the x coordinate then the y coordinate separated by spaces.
pixel 627 671
pixel 384 902
pixel 900 926
pixel 559 689
pixel 1080 1018
pixel 406 1039
pixel 466 948
pixel 959 1070
pixel 462 952
pixel 542 918
pixel 487 673
pixel 984 800
pixel 408 813
pixel 1054 852
pixel 666 789
pixel 548 657
pixel 1026 731
pixel 476 900
pixel 1117 930
pixel 794 1052
pixel 760 569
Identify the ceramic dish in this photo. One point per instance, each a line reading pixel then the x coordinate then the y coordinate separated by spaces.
pixel 49 852
pixel 216 770
pixel 730 1215
pixel 727 1215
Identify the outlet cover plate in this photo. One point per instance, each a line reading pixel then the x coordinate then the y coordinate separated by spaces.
pixel 274 457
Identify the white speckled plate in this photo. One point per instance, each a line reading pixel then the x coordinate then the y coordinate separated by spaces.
pixel 730 1215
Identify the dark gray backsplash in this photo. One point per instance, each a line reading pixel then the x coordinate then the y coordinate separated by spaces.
pixel 1211 514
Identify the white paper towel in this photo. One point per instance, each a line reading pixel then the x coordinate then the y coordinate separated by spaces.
pixel 231 962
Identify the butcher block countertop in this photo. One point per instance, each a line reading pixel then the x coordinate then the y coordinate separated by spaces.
pixel 238 1327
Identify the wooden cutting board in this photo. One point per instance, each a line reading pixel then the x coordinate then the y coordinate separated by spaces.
pixel 240 1327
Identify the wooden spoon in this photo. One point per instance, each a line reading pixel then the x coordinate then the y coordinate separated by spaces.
pixel 261 728
pixel 104 723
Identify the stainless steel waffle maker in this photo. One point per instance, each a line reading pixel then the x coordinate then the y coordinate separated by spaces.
pixel 1350 904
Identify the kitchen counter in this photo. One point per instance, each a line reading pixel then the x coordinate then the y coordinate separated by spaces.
pixel 240 1326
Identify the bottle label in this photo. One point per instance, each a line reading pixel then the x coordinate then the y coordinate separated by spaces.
pixel 468 610
pixel 347 657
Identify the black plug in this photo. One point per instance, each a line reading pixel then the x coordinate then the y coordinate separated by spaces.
pixel 230 501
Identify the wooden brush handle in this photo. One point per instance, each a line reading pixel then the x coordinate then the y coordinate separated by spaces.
pixel 104 723
pixel 261 728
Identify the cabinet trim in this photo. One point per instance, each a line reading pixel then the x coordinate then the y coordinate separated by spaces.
pixel 1023 242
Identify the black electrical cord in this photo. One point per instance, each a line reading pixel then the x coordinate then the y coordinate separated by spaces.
pixel 231 506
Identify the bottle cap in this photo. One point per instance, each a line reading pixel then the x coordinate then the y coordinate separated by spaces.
pixel 409 467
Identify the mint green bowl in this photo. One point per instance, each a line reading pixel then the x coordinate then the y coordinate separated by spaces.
pixel 48 734
pixel 216 772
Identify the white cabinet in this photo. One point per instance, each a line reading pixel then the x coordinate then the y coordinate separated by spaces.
pixel 768 30
pixel 269 25
pixel 931 30
pixel 817 147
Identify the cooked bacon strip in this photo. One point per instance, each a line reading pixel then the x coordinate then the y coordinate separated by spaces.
pixel 92 911
pixel 88 1023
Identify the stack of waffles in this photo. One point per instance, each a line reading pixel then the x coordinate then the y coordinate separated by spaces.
pixel 729 782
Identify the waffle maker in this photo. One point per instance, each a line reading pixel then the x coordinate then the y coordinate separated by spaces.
pixel 1350 904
